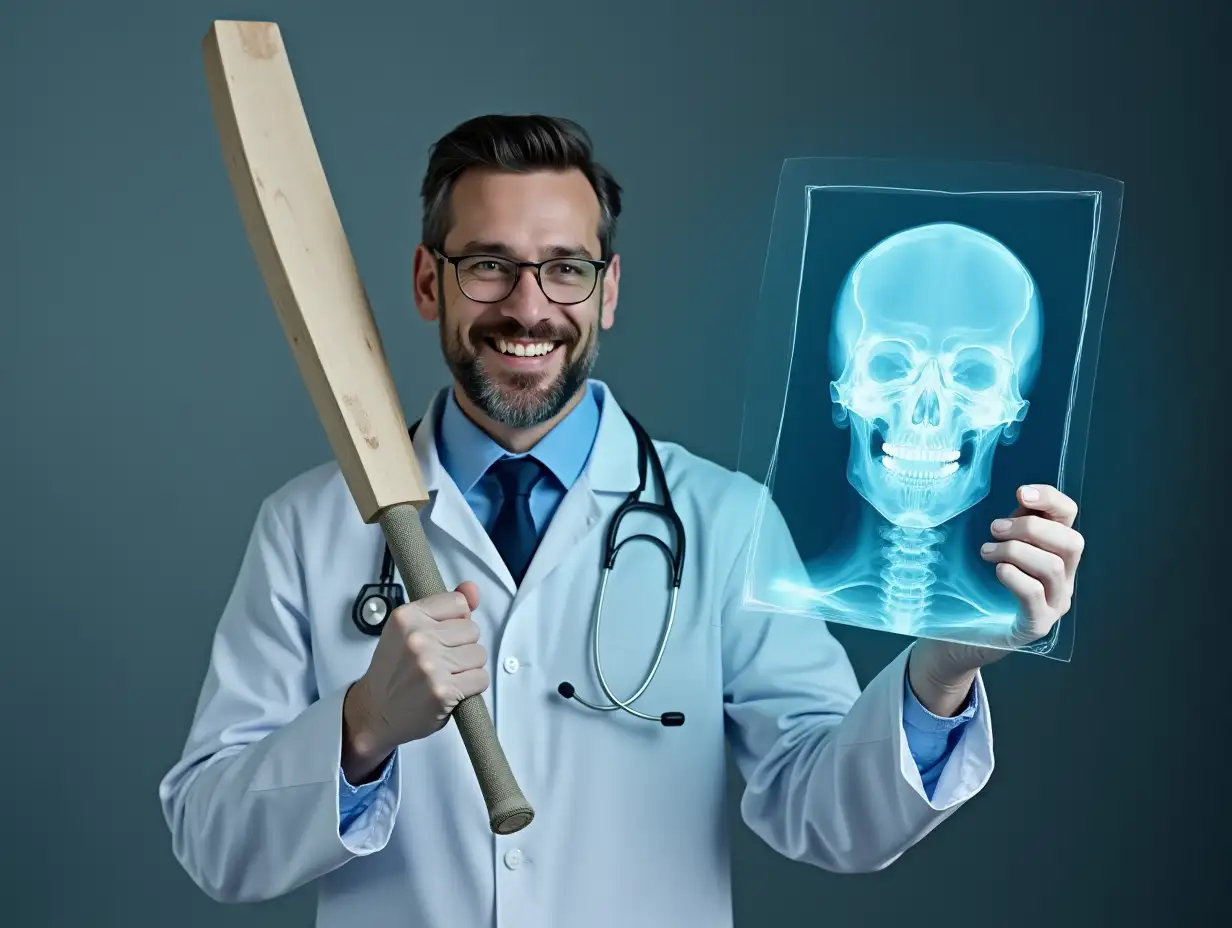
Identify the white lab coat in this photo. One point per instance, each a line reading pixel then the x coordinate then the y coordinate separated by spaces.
pixel 630 826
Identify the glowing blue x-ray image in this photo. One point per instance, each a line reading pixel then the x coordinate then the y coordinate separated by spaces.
pixel 937 335
pixel 927 344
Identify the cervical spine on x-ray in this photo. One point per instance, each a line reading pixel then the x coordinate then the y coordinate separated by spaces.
pixel 936 339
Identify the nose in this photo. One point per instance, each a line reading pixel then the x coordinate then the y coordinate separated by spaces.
pixel 927 408
pixel 527 302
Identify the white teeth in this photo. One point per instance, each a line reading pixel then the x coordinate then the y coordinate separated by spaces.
pixel 931 473
pixel 522 350
pixel 909 453
pixel 917 463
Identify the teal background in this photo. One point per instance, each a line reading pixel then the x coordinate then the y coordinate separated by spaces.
pixel 150 401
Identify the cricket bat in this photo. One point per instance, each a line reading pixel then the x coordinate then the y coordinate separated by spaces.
pixel 293 226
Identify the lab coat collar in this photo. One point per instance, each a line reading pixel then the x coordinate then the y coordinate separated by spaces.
pixel 467 452
pixel 611 468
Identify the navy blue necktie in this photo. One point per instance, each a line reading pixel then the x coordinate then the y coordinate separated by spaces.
pixel 514 532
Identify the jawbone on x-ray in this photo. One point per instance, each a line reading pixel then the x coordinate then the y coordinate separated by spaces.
pixel 939 354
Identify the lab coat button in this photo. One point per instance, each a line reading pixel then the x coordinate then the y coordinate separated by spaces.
pixel 511 665
pixel 513 858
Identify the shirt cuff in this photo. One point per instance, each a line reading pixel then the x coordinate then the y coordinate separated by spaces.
pixel 918 717
pixel 354 800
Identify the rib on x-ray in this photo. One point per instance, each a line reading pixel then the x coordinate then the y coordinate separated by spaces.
pixel 927 344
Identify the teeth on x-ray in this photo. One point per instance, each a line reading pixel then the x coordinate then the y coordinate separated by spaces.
pixel 908 453
pixel 935 473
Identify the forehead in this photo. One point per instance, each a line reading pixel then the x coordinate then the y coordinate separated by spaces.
pixel 942 281
pixel 528 213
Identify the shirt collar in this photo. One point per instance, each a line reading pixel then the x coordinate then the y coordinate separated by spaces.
pixel 466 451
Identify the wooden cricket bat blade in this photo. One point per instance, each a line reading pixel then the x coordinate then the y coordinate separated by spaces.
pixel 293 226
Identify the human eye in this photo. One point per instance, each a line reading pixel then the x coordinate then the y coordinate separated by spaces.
pixel 482 266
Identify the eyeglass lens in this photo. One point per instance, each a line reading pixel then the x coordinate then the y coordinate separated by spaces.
pixel 488 279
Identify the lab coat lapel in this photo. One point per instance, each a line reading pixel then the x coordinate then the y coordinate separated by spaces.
pixel 576 517
pixel 447 508
pixel 611 469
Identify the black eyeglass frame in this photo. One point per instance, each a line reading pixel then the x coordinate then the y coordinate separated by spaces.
pixel 537 266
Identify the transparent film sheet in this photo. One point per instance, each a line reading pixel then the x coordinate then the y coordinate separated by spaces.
pixel 927 343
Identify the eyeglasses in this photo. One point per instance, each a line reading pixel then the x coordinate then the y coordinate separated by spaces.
pixel 490 279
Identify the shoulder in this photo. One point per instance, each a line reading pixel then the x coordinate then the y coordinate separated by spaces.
pixel 729 503
pixel 733 517
pixel 315 496
pixel 696 476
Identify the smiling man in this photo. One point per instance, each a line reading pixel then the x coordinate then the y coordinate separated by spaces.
pixel 520 357
pixel 317 751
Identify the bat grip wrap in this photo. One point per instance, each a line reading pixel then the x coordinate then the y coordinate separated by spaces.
pixel 508 810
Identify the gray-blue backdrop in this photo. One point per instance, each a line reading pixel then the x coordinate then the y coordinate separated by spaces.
pixel 149 400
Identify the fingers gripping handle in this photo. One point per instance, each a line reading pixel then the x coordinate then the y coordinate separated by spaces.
pixel 508 810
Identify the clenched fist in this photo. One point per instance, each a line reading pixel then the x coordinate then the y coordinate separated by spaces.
pixel 427 660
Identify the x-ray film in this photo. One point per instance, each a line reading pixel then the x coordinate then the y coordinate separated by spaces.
pixel 927 343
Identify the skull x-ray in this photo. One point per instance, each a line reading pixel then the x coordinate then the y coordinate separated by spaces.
pixel 927 341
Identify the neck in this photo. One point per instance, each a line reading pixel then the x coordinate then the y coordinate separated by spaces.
pixel 906 561
pixel 513 439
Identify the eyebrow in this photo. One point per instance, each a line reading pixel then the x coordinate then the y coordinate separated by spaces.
pixel 477 247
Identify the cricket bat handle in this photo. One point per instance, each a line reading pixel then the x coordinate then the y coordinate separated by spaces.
pixel 508 810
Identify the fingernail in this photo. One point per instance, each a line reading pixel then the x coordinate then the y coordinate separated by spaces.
pixel 1030 494
pixel 1001 525
pixel 988 548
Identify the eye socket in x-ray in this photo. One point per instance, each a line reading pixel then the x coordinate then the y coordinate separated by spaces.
pixel 927 344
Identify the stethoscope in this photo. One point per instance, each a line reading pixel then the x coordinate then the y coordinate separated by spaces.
pixel 376 601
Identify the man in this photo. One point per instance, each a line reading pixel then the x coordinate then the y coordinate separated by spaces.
pixel 319 753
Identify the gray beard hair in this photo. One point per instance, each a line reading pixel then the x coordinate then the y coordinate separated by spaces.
pixel 529 406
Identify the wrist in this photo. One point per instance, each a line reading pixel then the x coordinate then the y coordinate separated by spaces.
pixel 941 683
pixel 363 750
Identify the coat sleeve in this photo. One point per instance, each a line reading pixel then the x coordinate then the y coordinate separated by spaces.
pixel 829 777
pixel 253 802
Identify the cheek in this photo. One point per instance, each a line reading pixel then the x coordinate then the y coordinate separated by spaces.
pixel 459 316
pixel 585 321
pixel 982 412
pixel 870 398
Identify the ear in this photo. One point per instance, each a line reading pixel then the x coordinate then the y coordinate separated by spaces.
pixel 611 292
pixel 426 284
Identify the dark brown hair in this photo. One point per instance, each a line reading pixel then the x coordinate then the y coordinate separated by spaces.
pixel 519 144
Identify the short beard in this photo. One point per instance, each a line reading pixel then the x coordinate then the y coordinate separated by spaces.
pixel 520 402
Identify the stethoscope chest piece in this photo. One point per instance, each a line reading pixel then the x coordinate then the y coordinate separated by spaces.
pixel 374 604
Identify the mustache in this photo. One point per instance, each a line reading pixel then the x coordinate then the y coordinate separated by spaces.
pixel 510 328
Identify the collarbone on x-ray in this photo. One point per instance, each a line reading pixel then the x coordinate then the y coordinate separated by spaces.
pixel 936 339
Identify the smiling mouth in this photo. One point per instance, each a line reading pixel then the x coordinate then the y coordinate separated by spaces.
pixel 917 463
pixel 515 348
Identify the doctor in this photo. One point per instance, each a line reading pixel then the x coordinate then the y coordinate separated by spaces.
pixel 319 753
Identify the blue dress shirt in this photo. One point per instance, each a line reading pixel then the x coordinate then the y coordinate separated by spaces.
pixel 466 453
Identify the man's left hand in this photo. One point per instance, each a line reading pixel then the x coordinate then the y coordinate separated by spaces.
pixel 1036 551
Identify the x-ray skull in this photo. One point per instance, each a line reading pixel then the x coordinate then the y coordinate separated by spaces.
pixel 936 341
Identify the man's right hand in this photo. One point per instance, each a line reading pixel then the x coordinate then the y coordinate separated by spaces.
pixel 427 660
